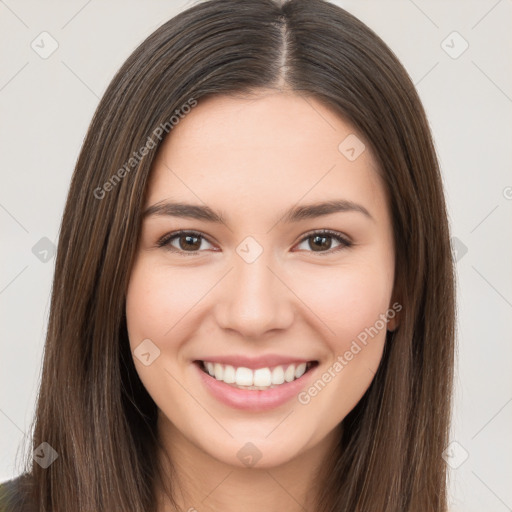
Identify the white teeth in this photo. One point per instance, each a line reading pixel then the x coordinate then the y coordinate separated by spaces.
pixel 219 371
pixel 243 376
pixel 210 367
pixel 289 374
pixel 278 375
pixel 300 370
pixel 229 374
pixel 261 378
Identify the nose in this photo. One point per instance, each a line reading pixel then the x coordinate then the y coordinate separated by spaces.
pixel 254 298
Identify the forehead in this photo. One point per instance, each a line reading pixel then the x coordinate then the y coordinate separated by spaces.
pixel 272 149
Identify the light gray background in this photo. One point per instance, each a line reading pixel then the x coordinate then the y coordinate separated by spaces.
pixel 46 106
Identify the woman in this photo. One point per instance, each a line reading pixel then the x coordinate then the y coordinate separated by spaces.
pixel 302 356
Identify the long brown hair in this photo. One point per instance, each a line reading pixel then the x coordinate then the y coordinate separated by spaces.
pixel 93 409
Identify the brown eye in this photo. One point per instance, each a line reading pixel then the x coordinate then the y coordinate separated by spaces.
pixel 321 241
pixel 191 242
pixel 183 241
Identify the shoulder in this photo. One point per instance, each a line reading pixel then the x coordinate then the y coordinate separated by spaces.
pixel 13 495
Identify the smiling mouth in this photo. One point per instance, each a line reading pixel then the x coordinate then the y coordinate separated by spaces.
pixel 258 379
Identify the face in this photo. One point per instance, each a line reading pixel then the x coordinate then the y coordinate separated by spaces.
pixel 253 289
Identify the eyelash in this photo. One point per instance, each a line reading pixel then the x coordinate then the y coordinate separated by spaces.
pixel 166 239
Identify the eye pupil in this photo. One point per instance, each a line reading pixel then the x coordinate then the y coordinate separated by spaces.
pixel 323 244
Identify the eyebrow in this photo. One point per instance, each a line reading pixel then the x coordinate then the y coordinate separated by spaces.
pixel 294 214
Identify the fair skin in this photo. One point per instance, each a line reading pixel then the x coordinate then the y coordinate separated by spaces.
pixel 251 159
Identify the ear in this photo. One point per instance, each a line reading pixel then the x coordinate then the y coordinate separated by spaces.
pixel 393 324
pixel 393 314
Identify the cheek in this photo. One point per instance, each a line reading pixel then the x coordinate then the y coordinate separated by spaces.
pixel 157 299
pixel 347 301
pixel 351 304
pixel 157 303
pixel 341 301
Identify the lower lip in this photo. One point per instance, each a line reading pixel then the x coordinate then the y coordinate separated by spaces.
pixel 254 400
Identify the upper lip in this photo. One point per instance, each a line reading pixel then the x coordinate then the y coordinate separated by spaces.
pixel 264 361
